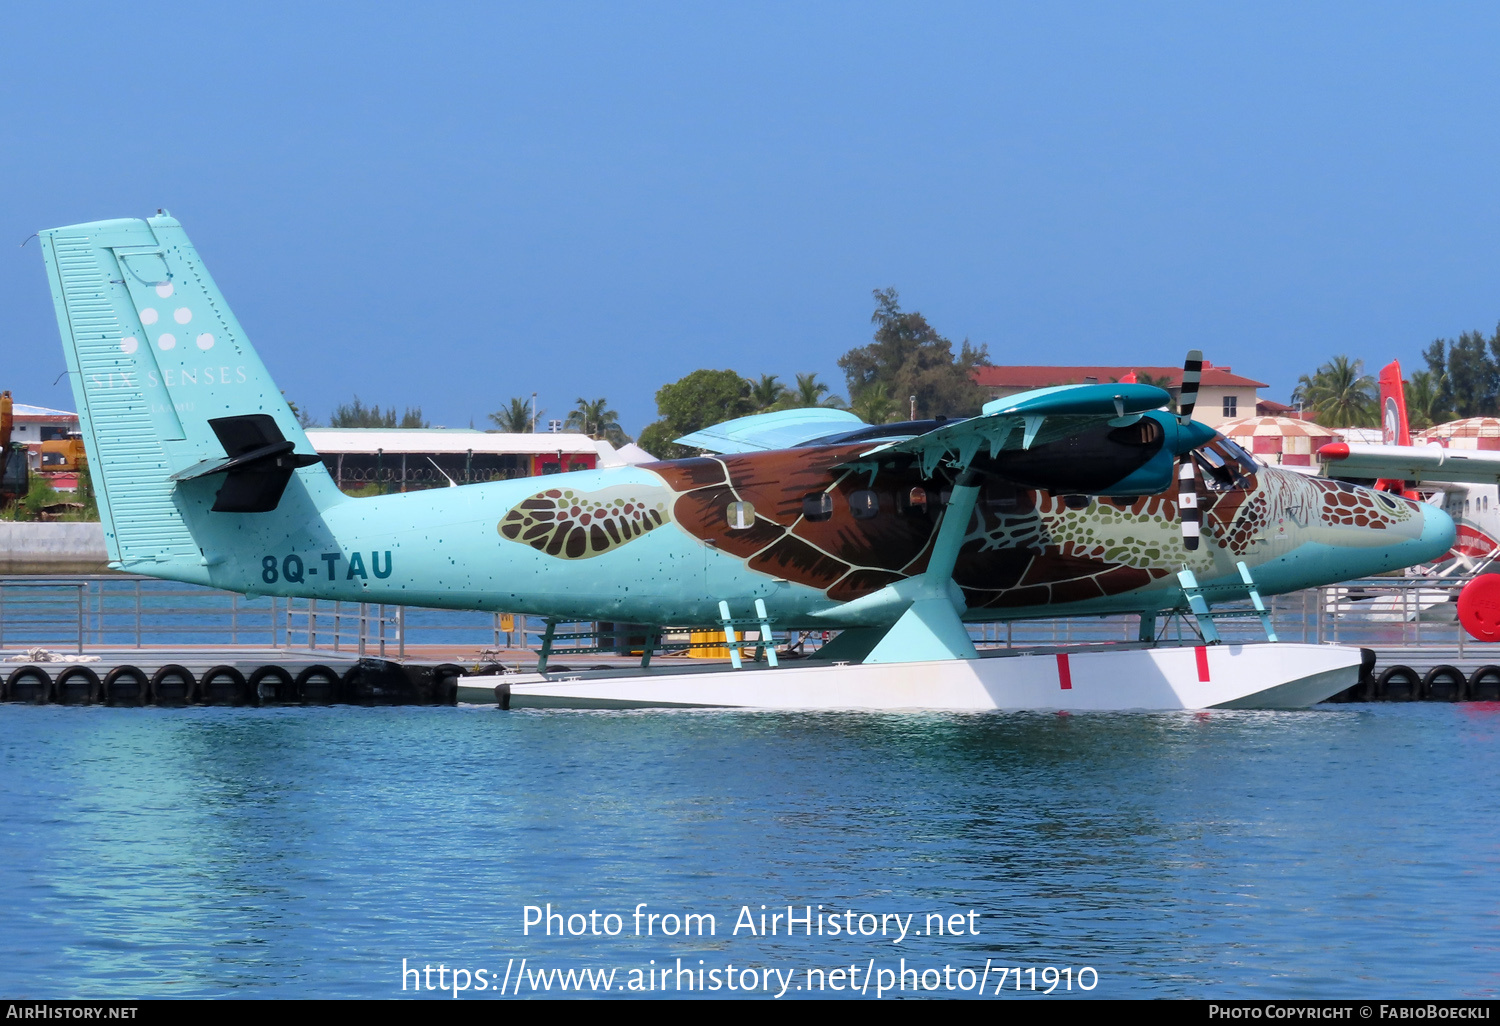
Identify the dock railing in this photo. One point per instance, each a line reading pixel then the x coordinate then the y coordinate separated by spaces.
pixel 124 611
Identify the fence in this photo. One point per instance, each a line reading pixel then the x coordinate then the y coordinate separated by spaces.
pixel 119 610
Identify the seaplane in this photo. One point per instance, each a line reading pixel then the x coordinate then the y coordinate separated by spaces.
pixel 1465 483
pixel 1067 501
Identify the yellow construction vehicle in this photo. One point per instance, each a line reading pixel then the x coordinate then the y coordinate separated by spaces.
pixel 63 455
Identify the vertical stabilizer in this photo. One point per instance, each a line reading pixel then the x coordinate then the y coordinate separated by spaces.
pixel 1393 427
pixel 1393 406
pixel 156 359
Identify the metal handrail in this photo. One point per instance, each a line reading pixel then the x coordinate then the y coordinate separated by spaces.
pixel 131 611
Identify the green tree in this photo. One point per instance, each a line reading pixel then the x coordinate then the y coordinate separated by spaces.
pixel 1468 370
pixel 1164 382
pixel 875 406
pixel 304 419
pixel 767 392
pixel 910 358
pixel 597 420
pixel 1341 393
pixel 701 399
pixel 356 414
pixel 515 419
pixel 810 392
pixel 1425 404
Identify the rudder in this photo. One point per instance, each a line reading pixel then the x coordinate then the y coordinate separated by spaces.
pixel 157 360
pixel 1393 427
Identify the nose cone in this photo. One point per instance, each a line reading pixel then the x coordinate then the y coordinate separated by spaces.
pixel 1438 534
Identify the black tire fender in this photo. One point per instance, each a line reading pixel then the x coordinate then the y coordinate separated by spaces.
pixel 284 688
pixel 445 678
pixel 137 676
pixel 63 686
pixel 19 675
pixel 1484 684
pixel 310 675
pixel 237 691
pixel 1400 675
pixel 165 677
pixel 1441 675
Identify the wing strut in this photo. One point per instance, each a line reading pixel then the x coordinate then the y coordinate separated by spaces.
pixel 925 608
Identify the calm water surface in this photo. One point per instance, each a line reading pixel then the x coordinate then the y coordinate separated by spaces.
pixel 1343 851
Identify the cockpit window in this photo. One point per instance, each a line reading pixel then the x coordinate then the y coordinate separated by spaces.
pixel 1238 452
pixel 1222 474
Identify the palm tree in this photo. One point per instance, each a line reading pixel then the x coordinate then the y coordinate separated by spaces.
pixel 1424 400
pixel 1165 383
pixel 766 392
pixel 1341 393
pixel 515 419
pixel 809 392
pixel 597 420
pixel 874 405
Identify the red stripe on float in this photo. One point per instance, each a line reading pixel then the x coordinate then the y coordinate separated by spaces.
pixel 1064 675
pixel 1202 663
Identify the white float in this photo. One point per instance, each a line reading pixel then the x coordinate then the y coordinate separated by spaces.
pixel 1256 676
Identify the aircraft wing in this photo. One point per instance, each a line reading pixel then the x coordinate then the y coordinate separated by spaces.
pixel 1021 421
pixel 780 430
pixel 1412 462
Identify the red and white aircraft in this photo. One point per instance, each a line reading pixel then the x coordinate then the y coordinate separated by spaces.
pixel 1464 482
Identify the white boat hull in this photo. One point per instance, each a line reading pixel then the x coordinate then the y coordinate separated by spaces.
pixel 1259 676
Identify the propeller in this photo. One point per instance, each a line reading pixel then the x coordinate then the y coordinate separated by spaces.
pixel 1187 502
pixel 1188 514
pixel 1187 395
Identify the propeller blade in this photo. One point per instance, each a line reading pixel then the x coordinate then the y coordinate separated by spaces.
pixel 1192 374
pixel 1187 503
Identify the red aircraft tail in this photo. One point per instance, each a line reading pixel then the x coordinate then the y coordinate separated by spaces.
pixel 1393 427
pixel 1393 406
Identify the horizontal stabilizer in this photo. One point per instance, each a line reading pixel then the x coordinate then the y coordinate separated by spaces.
pixel 259 463
pixel 764 431
pixel 1411 463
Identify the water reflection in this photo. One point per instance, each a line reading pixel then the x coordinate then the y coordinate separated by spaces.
pixel 305 852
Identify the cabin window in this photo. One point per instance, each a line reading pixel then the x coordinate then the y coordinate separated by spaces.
pixel 913 502
pixel 817 506
pixel 740 515
pixel 864 504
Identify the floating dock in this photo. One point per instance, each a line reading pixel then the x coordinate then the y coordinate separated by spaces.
pixel 122 640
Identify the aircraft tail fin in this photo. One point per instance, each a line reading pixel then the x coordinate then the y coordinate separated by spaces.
pixel 179 416
pixel 1393 426
pixel 1394 430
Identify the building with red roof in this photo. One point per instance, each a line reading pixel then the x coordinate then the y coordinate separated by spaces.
pixel 1222 395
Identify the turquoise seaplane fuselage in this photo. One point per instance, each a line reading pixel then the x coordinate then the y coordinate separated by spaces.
pixel 1060 501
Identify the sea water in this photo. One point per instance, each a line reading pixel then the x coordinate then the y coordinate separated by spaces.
pixel 325 852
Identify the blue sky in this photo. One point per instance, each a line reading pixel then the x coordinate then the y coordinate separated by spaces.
pixel 449 205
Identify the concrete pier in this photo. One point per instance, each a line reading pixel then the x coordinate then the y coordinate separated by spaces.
pixel 52 548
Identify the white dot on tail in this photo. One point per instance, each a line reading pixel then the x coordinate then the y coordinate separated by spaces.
pixel 128 344
pixel 167 341
pixel 205 341
pixel 182 315
pixel 164 289
pixel 148 316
